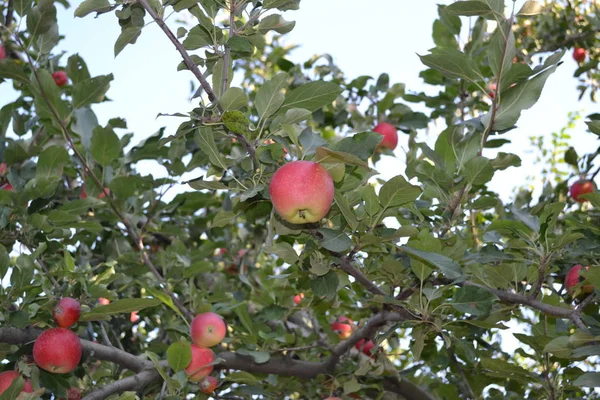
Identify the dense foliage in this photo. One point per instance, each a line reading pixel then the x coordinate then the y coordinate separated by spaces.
pixel 431 266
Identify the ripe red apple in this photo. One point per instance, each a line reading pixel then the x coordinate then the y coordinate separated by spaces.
pixel 103 301
pixel 572 279
pixel 8 187
pixel 73 394
pixel 580 187
pixel 2 53
pixel 365 346
pixel 3 169
pixel 301 192
pixel 208 384
pixel 579 54
pixel 57 350
pixel 198 369
pixel 60 78
pixel 208 329
pixel 343 326
pixel 7 378
pixel 298 298
pixel 390 135
pixel 104 193
pixel 66 312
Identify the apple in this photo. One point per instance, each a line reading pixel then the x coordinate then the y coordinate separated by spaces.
pixel 390 135
pixel 208 329
pixel 57 350
pixel 8 187
pixel 2 53
pixel 580 187
pixel 572 279
pixel 198 369
pixel 7 378
pixel 301 192
pixel 73 394
pixel 60 78
pixel 579 54
pixel 84 195
pixel 365 346
pixel 343 326
pixel 298 298
pixel 134 317
pixel 208 384
pixel 492 90
pixel 3 168
pixel 66 312
pixel 103 301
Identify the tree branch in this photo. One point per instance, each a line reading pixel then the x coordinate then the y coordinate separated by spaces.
pixel 184 54
pixel 406 389
pixel 135 382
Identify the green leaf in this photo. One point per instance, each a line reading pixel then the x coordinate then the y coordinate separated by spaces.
pixel 119 307
pixel 311 96
pixel 128 36
pixel 242 312
pixel 501 51
pixel 41 18
pixel 335 240
pixel 10 70
pixel 269 97
pixel 530 7
pixel 22 7
pixel 200 184
pixel 4 261
pixel 77 69
pixel 90 6
pixel 179 355
pixel 91 90
pixel 362 145
pixel 453 64
pixel 105 146
pixel 559 347
pixel 449 267
pixel 234 98
pixel 328 156
pixel 223 218
pixel 478 170
pixel 197 37
pixel 285 251
pixel 275 22
pixel 473 300
pixel 594 127
pixel 242 377
pixel 469 8
pixel 326 285
pixel 588 379
pixel 347 212
pixel 205 140
pixel 518 98
pixel 164 298
pixel 52 162
pixel 397 191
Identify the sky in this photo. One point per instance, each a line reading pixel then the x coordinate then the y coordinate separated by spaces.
pixel 365 38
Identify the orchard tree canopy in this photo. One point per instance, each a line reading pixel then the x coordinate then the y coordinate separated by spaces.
pixel 288 268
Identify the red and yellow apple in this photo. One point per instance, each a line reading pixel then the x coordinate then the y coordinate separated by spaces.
pixel 301 192
pixel 199 366
pixel 7 378
pixel 298 298
pixel 73 394
pixel 208 329
pixel 573 278
pixel 103 301
pixel 390 135
pixel 343 326
pixel 579 54
pixel 66 313
pixel 57 350
pixel 582 186
pixel 208 384
pixel 492 90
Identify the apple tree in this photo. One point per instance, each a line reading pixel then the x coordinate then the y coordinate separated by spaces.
pixel 288 267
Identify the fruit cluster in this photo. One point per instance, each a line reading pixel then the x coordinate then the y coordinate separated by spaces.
pixel 207 330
